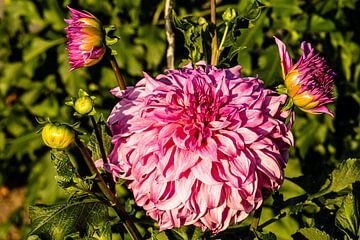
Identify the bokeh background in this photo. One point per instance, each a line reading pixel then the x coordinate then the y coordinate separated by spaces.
pixel 35 81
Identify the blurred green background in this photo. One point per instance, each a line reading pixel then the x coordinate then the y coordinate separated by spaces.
pixel 35 81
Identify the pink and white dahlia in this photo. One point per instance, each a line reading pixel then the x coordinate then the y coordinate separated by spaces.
pixel 309 82
pixel 199 145
pixel 85 39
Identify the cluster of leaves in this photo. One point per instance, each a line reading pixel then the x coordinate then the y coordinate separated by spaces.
pixel 315 202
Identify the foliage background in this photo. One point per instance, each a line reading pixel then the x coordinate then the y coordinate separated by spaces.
pixel 35 80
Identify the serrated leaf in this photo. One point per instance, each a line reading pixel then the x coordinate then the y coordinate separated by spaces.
pixel 266 236
pixel 58 221
pixel 94 146
pixel 63 167
pixel 342 177
pixel 347 217
pixel 313 234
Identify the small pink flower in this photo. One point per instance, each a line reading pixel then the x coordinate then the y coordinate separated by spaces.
pixel 310 81
pixel 199 145
pixel 85 39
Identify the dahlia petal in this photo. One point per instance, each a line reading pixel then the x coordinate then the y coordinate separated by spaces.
pixel 165 135
pixel 213 194
pixel 286 62
pixel 226 145
pixel 184 185
pixel 180 165
pixel 321 109
pixel 202 172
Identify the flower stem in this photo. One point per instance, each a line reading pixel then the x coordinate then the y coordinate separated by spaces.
pixel 169 34
pixel 254 224
pixel 119 77
pixel 102 151
pixel 221 47
pixel 115 203
pixel 256 219
pixel 214 45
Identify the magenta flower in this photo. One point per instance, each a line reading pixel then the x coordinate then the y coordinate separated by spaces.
pixel 309 82
pixel 85 39
pixel 199 145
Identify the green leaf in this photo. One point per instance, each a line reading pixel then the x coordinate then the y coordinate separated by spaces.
pixel 63 167
pixel 153 38
pixel 58 221
pixel 194 30
pixel 313 234
pixel 342 177
pixel 157 235
pixel 348 216
pixel 320 24
pixel 39 46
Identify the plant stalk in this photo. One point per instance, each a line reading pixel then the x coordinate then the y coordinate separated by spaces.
pixel 115 203
pixel 119 77
pixel 214 44
pixel 170 36
pixel 102 151
pixel 254 224
pixel 256 219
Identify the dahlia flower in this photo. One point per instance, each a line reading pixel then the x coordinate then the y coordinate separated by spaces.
pixel 199 145
pixel 309 82
pixel 85 39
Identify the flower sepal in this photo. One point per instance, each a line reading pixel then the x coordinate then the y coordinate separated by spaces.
pixel 110 39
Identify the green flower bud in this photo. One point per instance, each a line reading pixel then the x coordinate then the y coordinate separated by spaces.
pixel 84 105
pixel 229 15
pixel 57 136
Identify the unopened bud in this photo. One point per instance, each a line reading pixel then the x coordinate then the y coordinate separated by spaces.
pixel 229 15
pixel 58 136
pixel 84 105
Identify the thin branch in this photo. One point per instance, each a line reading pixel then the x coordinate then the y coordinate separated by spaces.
pixel 256 219
pixel 119 77
pixel 98 135
pixel 214 44
pixel 169 34
pixel 115 203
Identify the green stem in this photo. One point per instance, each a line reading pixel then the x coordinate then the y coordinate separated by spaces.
pixel 272 220
pixel 221 47
pixel 214 45
pixel 119 77
pixel 115 203
pixel 224 37
pixel 102 151
pixel 256 219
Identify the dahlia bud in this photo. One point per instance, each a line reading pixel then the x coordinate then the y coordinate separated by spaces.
pixel 229 15
pixel 309 82
pixel 84 105
pixel 85 39
pixel 58 136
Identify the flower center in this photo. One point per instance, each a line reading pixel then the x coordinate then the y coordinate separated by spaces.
pixel 203 107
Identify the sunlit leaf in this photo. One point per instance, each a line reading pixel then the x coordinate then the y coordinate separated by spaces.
pixel 348 216
pixel 58 221
pixel 342 177
pixel 313 234
pixel 63 167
